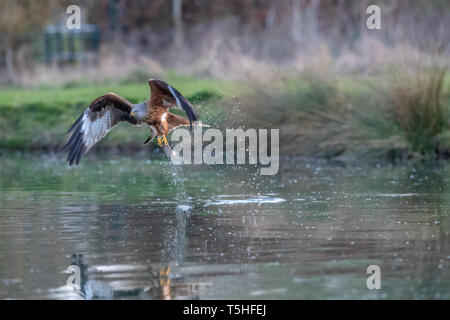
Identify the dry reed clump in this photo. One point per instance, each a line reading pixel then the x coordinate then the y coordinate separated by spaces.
pixel 413 95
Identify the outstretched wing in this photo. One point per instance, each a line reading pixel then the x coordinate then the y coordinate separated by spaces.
pixel 167 96
pixel 95 122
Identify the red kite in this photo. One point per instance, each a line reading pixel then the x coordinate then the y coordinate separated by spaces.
pixel 107 111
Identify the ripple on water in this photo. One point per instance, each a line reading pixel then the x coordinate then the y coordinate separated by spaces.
pixel 243 199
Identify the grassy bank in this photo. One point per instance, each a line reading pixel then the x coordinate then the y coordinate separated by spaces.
pixel 390 114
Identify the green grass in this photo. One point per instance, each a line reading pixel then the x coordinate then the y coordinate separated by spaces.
pixel 38 118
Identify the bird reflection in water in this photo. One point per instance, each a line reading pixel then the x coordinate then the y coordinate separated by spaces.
pixel 155 285
pixel 164 283
pixel 142 281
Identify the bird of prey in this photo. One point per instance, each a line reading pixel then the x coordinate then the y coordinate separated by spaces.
pixel 107 111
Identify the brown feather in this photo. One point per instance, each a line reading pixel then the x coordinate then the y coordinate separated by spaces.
pixel 159 95
pixel 164 95
pixel 175 121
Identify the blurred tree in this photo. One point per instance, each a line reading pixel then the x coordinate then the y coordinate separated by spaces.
pixel 18 17
pixel 265 28
pixel 296 21
pixel 177 9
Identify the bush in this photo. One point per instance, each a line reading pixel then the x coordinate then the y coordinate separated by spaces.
pixel 414 98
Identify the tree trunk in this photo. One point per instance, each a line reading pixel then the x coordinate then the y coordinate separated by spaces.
pixel 178 22
pixel 314 16
pixel 270 17
pixel 296 30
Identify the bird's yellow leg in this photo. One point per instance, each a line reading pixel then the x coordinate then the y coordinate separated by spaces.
pixel 162 140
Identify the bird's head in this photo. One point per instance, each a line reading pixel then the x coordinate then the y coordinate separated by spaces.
pixel 139 111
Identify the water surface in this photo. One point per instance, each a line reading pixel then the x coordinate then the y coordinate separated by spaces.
pixel 140 229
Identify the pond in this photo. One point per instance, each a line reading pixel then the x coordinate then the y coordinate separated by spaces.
pixel 137 227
